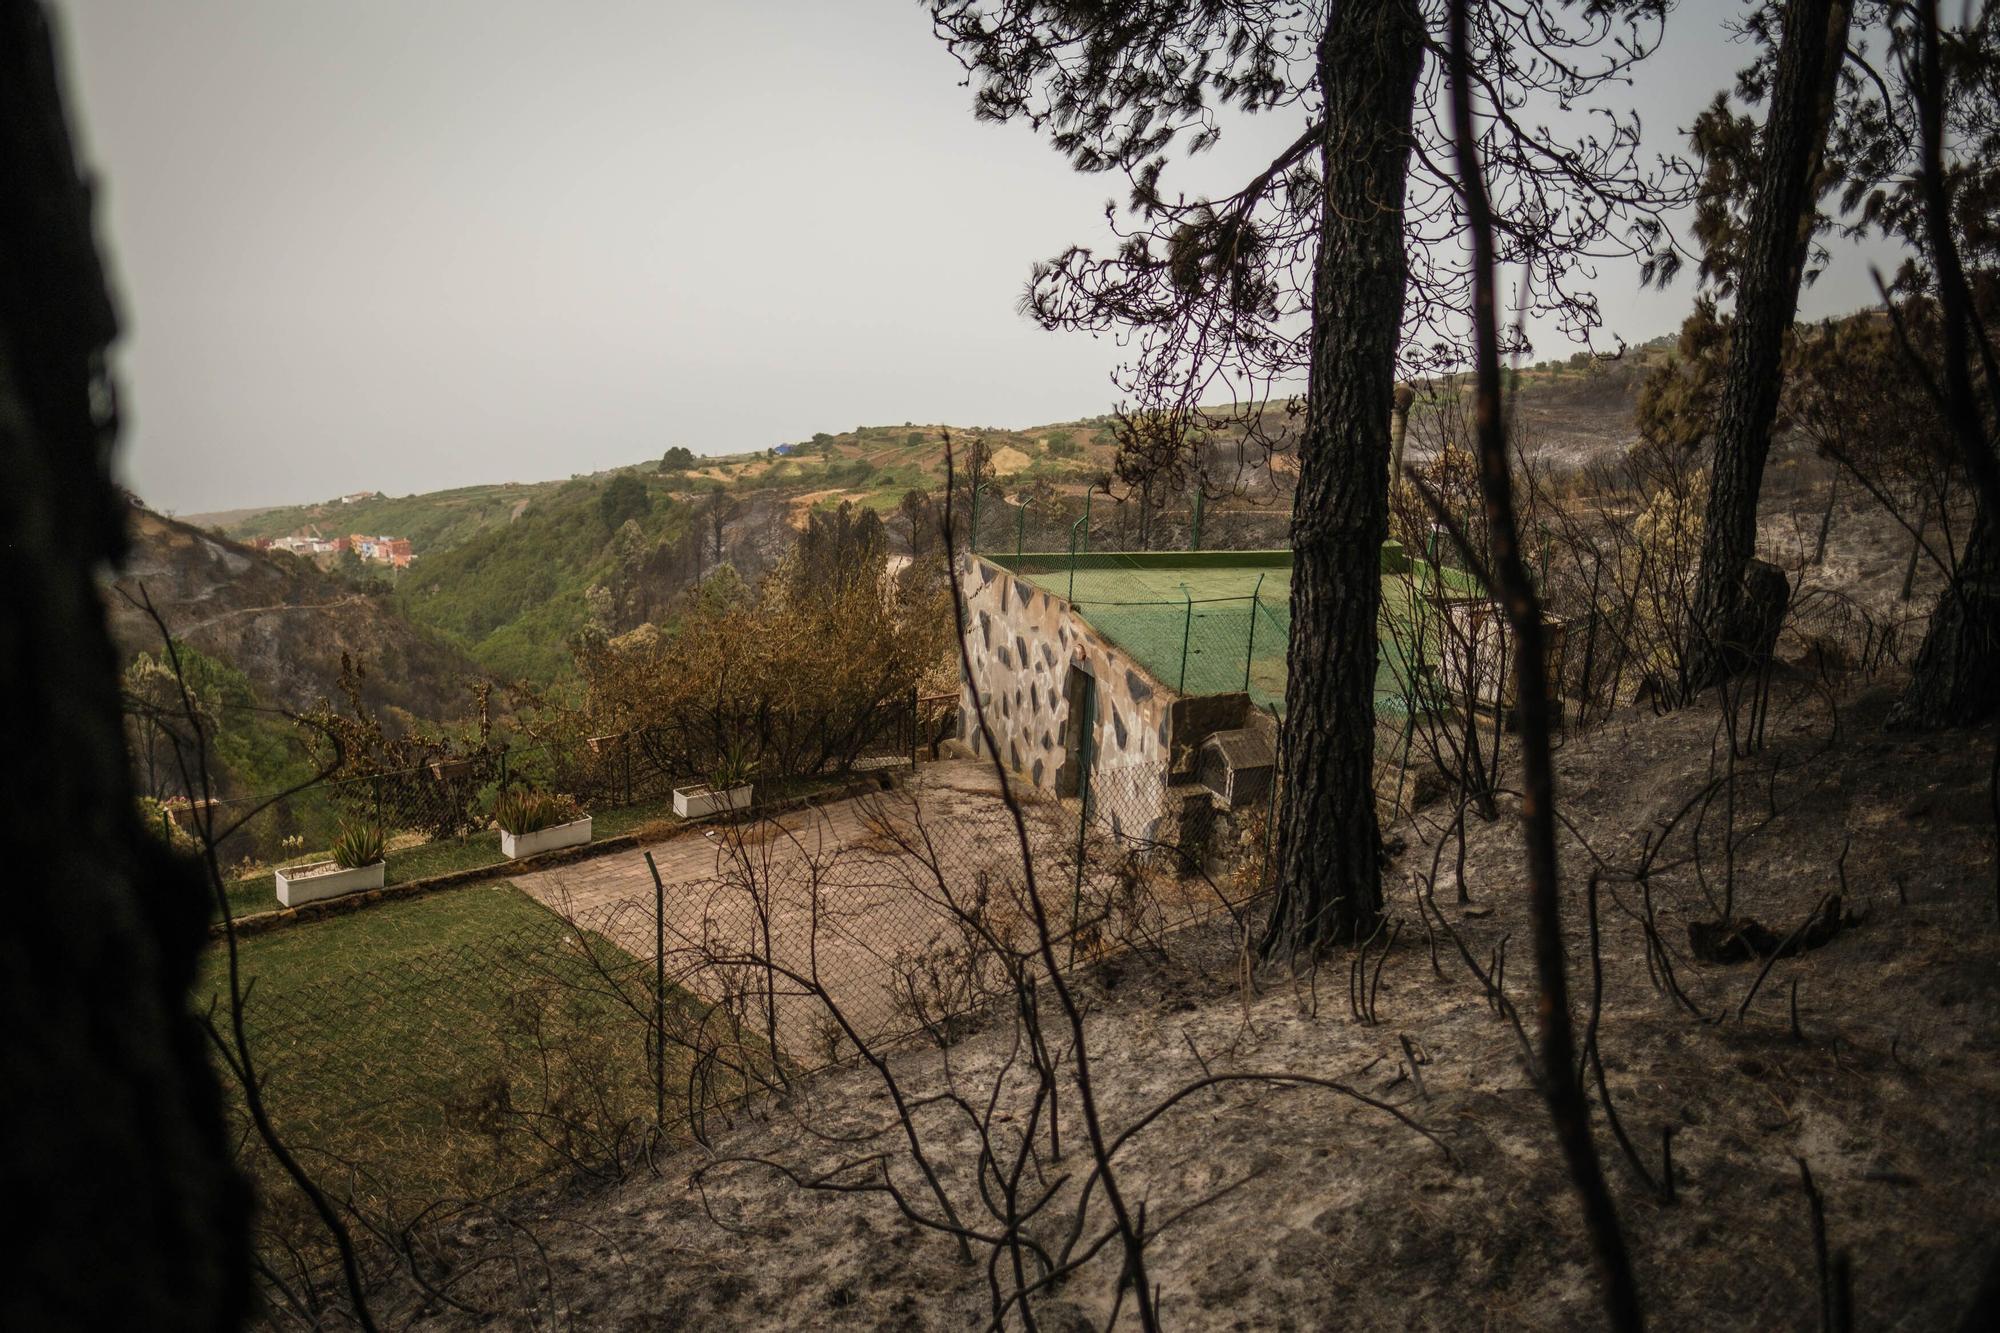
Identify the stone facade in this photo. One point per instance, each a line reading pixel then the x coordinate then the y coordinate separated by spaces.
pixel 1022 644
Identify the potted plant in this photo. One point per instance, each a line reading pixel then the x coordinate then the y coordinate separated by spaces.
pixel 357 865
pixel 728 789
pixel 538 821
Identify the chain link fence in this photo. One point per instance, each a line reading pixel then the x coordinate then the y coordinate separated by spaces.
pixel 1220 622
pixel 571 1035
pixel 1094 521
pixel 437 815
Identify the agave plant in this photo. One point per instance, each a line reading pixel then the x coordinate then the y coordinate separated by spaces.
pixel 358 845
pixel 734 767
pixel 523 810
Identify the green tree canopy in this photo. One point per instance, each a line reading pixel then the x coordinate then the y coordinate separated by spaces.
pixel 625 498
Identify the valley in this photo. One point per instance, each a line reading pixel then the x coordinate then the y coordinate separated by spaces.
pixel 510 572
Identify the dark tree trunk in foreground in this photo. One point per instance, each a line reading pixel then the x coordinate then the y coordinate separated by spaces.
pixel 111 1135
pixel 1956 677
pixel 1329 846
pixel 1561 1076
pixel 1725 626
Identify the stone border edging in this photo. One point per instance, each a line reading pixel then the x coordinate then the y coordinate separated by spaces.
pixel 260 923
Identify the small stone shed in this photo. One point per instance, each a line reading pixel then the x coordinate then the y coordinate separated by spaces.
pixel 1059 693
pixel 1129 664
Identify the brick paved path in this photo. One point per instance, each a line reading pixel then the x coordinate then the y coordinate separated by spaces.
pixel 846 891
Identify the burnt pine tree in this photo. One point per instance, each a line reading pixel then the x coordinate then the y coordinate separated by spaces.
pixel 1876 170
pixel 112 1139
pixel 1728 618
pixel 1330 875
pixel 1339 264
pixel 1952 84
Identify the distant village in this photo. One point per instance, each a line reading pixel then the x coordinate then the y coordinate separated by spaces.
pixel 310 541
pixel 392 551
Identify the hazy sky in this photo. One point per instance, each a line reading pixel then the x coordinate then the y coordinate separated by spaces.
pixel 407 244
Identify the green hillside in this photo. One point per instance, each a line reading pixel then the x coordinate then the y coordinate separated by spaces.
pixel 873 464
pixel 433 521
pixel 513 593
pixel 505 571
pixel 261 636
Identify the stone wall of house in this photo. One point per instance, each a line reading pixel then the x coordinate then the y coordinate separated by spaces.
pixel 1021 642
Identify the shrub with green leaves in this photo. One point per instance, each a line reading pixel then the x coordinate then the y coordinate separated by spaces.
pixel 358 845
pixel 523 810
pixel 157 819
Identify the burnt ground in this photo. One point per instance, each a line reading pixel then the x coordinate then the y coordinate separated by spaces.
pixel 1322 1212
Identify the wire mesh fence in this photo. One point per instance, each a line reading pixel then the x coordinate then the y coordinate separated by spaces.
pixel 439 813
pixel 1215 622
pixel 559 1038
pixel 1094 521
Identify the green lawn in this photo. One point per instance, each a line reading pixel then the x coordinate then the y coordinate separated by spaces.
pixel 423 1049
pixel 385 935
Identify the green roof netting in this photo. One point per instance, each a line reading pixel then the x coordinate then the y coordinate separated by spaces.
pixel 1214 622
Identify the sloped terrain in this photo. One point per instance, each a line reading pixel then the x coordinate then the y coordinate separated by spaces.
pixel 281 622
pixel 1871 1058
pixel 504 571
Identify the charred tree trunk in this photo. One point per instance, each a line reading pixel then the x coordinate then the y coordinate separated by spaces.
pixel 1916 547
pixel 1815 35
pixel 1329 845
pixel 111 1133
pixel 1826 521
pixel 1956 677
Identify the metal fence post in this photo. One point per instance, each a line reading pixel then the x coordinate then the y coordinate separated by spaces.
pixel 1086 759
pixel 1403 762
pixel 1020 530
pixel 659 998
pixel 1072 550
pixel 1250 648
pixel 625 758
pixel 1187 629
pixel 1086 518
pixel 1271 808
pixel 1194 540
pixel 1082 828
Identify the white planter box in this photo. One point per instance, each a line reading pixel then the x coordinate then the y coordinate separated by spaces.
pixel 325 879
pixel 573 834
pixel 694 802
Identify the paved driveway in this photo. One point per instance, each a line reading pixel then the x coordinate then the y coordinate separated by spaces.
pixel 851 893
